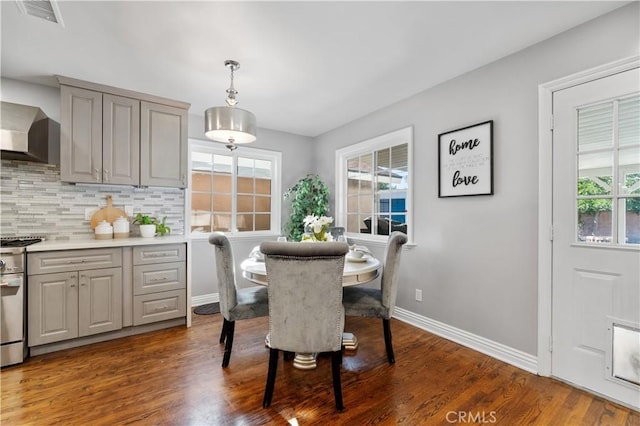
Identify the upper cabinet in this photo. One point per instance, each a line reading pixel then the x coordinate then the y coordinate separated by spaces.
pixel 115 136
pixel 164 159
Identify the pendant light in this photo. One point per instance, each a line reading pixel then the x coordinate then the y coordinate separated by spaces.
pixel 228 123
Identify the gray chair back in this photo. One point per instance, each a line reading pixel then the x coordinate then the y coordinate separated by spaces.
pixel 305 295
pixel 225 268
pixel 391 271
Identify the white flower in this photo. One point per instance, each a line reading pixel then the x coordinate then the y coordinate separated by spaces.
pixel 317 224
pixel 310 220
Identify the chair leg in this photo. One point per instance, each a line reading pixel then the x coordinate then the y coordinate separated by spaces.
pixel 386 325
pixel 271 377
pixel 337 384
pixel 231 325
pixel 223 335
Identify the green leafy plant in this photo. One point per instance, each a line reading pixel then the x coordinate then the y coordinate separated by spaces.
pixel 309 196
pixel 161 227
pixel 143 219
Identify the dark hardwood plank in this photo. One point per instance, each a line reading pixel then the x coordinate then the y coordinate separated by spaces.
pixel 173 377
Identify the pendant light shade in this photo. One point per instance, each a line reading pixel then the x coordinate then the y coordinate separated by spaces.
pixel 228 123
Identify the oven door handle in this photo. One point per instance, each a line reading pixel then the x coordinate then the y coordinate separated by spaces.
pixel 16 282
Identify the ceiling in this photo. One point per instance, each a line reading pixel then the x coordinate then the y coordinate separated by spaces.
pixel 306 67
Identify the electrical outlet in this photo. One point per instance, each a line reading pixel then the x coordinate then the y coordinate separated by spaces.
pixel 128 210
pixel 89 211
pixel 418 295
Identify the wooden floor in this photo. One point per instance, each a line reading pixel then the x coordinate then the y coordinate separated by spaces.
pixel 173 377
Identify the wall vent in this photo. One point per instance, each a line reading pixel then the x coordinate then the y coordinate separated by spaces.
pixel 42 9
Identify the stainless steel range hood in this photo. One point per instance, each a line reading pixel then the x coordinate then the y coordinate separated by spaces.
pixel 26 133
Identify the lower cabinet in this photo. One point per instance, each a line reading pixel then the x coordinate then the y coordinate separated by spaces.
pixel 159 283
pixel 67 305
pixel 79 293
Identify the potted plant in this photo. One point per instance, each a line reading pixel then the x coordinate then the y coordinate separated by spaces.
pixel 149 225
pixel 309 197
pixel 162 228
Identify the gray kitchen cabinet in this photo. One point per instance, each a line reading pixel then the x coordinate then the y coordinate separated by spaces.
pixel 116 136
pixel 80 135
pixel 99 137
pixel 163 145
pixel 73 293
pixel 120 140
pixel 159 283
pixel 53 308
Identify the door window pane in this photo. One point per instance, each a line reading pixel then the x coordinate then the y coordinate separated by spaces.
pixel 629 170
pixel 608 178
pixel 629 220
pixel 629 121
pixel 595 173
pixel 595 127
pixel 595 220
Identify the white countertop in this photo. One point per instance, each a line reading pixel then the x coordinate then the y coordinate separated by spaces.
pixel 50 245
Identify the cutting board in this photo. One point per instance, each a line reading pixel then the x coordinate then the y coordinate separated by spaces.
pixel 109 213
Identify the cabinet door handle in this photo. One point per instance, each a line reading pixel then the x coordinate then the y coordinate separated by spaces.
pixel 97 174
pixel 106 175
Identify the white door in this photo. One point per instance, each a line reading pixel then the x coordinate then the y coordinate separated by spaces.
pixel 596 236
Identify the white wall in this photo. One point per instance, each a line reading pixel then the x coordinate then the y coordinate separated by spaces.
pixel 476 257
pixel 45 97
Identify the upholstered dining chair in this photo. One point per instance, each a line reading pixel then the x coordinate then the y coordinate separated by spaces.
pixel 379 302
pixel 305 304
pixel 235 303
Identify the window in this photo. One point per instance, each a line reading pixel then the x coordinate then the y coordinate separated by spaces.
pixel 236 192
pixel 608 181
pixel 373 185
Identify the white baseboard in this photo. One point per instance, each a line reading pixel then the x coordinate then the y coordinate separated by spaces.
pixel 483 345
pixel 488 347
pixel 204 299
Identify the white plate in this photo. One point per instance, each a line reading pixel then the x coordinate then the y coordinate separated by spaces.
pixel 356 259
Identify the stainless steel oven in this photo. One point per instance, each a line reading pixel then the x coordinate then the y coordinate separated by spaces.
pixel 13 315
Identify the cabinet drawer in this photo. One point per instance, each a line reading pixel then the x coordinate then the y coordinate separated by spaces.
pixel 144 255
pixel 162 306
pixel 160 277
pixel 73 260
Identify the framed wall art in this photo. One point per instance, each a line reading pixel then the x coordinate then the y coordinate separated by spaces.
pixel 465 161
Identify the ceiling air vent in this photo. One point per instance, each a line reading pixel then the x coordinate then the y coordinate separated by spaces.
pixel 42 9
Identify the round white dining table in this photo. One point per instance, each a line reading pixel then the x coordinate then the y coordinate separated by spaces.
pixel 356 271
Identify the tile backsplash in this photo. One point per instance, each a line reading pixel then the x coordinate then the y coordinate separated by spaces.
pixel 35 202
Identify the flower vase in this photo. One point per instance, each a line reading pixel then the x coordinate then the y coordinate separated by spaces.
pixel 320 236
